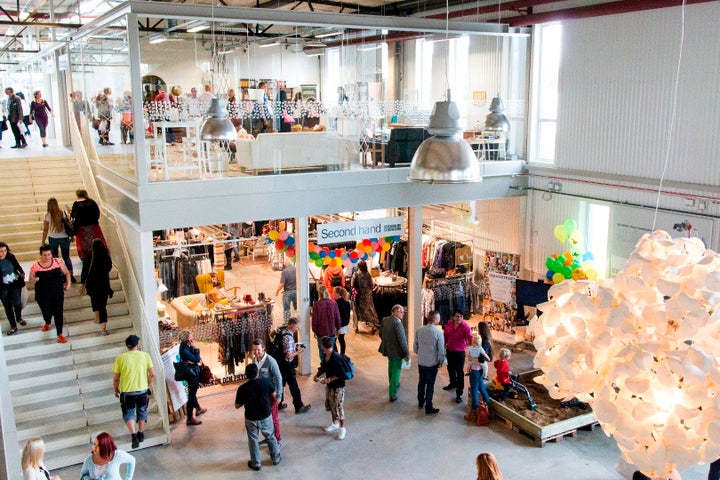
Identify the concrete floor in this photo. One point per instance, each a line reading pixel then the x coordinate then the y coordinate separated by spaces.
pixel 384 440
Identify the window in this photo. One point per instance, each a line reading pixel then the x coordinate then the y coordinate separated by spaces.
pixel 543 121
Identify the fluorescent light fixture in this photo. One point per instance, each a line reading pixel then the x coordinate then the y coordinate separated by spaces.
pixel 370 47
pixel 314 44
pixel 155 39
pixel 314 53
pixel 269 44
pixel 227 50
pixel 198 28
pixel 442 37
pixel 330 33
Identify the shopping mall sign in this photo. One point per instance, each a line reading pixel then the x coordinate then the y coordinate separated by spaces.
pixel 359 230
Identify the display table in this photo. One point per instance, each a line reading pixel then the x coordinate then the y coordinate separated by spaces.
pixel 188 317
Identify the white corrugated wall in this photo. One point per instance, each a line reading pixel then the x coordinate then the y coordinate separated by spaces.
pixel 616 94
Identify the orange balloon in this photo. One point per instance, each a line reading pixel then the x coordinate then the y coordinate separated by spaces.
pixel 554 255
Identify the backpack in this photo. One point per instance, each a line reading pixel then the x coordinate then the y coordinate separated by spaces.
pixel 336 280
pixel 348 366
pixel 275 346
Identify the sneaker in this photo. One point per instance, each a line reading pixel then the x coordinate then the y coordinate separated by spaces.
pixel 332 427
pixel 141 436
pixel 282 406
pixel 22 322
pixel 12 331
pixel 302 409
pixel 431 411
pixel 449 387
pixel 257 468
pixel 277 460
pixel 45 327
pixel 62 339
pixel 135 443
pixel 341 435
pixel 458 400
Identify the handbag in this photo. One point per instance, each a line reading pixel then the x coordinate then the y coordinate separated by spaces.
pixel 96 124
pixel 68 226
pixel 3 125
pixel 206 375
pixel 287 118
pixel 184 372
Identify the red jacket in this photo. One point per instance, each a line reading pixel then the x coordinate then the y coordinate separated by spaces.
pixel 503 371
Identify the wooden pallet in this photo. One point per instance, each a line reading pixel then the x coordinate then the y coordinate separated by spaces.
pixel 541 435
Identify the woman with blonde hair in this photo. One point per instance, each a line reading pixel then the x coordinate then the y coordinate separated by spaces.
pixel 487 467
pixel 32 461
pixel 190 353
pixel 54 233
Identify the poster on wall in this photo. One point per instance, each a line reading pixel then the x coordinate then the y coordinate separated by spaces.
pixel 630 223
pixel 498 293
pixel 176 390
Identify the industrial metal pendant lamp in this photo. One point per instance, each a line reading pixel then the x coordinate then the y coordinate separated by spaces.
pixel 445 157
pixel 217 126
pixel 496 120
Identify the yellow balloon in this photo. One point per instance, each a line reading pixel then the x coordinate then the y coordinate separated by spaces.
pixel 558 277
pixel 385 247
pixel 326 260
pixel 576 237
pixel 587 264
pixel 559 233
pixel 274 235
pixel 591 273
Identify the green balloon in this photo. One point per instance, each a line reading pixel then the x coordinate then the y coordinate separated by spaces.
pixel 314 256
pixel 569 226
pixel 566 271
pixel 556 266
pixel 319 262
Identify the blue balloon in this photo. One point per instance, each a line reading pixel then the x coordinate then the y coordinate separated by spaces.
pixel 365 257
pixel 332 254
pixel 549 274
pixel 396 238
pixel 588 256
pixel 323 254
pixel 354 260
pixel 290 241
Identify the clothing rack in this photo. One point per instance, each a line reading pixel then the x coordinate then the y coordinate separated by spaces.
pixel 447 294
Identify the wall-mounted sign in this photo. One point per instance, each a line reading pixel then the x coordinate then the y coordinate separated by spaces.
pixel 359 230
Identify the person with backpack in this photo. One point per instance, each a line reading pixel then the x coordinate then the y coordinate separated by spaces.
pixel 334 277
pixel 325 318
pixel 331 373
pixel 288 362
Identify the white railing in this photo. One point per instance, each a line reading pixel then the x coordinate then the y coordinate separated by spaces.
pixel 85 150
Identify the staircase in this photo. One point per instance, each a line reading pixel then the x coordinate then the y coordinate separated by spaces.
pixel 62 392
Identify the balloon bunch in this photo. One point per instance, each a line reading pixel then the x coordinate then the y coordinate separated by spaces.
pixel 369 247
pixel 284 242
pixel 364 249
pixel 574 263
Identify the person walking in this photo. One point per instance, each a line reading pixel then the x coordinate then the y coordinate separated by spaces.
pixel 487 340
pixel 11 285
pixel 457 337
pixel 268 368
pixel 341 298
pixel 257 395
pixel 291 351
pixel 32 461
pixel 429 346
pixel 86 217
pixel 104 113
pixel 362 287
pixel 39 110
pixel 331 373
pixel 95 280
pixel 15 117
pixel 393 345
pixel 190 353
pixel 288 286
pixel 54 233
pixel 105 460
pixel 133 373
pixel 487 467
pixel 325 318
pixel 51 280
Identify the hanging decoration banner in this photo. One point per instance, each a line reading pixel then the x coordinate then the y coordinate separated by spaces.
pixel 359 230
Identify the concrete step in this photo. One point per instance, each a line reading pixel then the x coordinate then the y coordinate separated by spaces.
pixel 100 398
pixel 34 394
pixel 100 383
pixel 48 345
pixel 78 314
pixel 43 409
pixel 41 426
pixel 74 291
pixel 116 337
pixel 102 354
pixel 35 363
pixel 58 374
pixel 78 437
pixel 74 302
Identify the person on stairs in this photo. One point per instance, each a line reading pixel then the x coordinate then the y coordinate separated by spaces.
pixel 133 372
pixel 51 280
pixel 189 353
pixel 54 233
pixel 13 280
pixel 95 280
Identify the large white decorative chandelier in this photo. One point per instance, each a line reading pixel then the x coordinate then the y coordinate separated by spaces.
pixel 644 350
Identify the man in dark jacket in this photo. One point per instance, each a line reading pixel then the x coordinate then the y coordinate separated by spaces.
pixel 15 115
pixel 256 395
pixel 393 345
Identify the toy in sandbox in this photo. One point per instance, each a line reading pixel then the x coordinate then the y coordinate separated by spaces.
pixel 516 388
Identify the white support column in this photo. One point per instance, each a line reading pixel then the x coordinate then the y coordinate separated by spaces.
pixel 415 320
pixel 303 292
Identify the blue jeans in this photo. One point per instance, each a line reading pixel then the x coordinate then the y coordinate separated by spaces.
pixel 254 428
pixel 426 386
pixel 62 244
pixel 289 298
pixel 477 383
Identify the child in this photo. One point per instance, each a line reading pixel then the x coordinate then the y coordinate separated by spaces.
pixel 478 366
pixel 502 367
